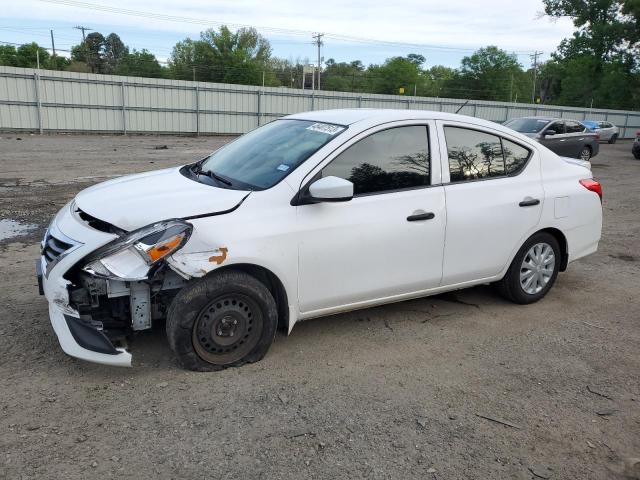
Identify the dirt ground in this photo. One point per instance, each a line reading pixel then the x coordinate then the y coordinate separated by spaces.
pixel 401 391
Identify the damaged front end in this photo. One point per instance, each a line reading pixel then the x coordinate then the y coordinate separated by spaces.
pixel 99 297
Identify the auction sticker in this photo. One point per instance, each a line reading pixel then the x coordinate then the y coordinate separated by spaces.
pixel 326 128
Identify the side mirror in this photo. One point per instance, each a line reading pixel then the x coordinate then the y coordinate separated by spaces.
pixel 548 133
pixel 331 189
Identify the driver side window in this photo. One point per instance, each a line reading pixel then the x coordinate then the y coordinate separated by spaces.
pixel 557 127
pixel 393 159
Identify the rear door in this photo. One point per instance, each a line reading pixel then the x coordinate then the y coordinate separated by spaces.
pixel 576 138
pixel 494 197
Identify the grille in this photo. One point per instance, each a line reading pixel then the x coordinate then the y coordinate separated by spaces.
pixel 53 248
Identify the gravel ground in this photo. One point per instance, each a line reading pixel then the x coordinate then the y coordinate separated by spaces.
pixel 401 391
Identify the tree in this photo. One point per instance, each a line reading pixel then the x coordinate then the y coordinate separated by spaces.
pixel 114 52
pixel 343 76
pixel 90 52
pixel 224 56
pixel 488 74
pixel 396 73
pixel 599 64
pixel 140 64
pixel 8 55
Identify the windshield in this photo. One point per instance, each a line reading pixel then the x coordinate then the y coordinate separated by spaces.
pixel 264 156
pixel 591 125
pixel 527 125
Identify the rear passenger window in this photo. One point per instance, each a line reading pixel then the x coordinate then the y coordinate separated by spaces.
pixel 393 159
pixel 574 127
pixel 515 157
pixel 473 155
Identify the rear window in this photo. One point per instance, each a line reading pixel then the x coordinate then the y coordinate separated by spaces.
pixel 526 125
pixel 475 155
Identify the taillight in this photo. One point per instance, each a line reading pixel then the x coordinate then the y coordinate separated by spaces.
pixel 597 135
pixel 592 185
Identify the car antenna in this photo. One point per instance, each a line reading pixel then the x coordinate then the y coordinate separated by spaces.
pixel 462 106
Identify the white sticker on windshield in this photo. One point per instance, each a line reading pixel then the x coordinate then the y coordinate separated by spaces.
pixel 282 167
pixel 325 128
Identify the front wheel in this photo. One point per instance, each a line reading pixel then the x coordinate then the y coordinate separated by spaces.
pixel 613 138
pixel 533 270
pixel 222 320
pixel 585 154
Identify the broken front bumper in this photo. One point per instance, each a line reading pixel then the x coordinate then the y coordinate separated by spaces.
pixel 61 251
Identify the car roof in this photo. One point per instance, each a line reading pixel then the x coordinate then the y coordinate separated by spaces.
pixel 363 118
pixel 349 116
pixel 546 119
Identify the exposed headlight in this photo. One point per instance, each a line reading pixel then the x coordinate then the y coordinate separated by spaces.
pixel 131 256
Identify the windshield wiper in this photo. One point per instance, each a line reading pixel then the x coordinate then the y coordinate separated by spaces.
pixel 198 170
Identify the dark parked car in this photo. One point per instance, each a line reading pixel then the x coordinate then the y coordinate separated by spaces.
pixel 567 138
pixel 636 147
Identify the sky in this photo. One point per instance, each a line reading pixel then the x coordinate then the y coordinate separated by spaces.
pixel 371 31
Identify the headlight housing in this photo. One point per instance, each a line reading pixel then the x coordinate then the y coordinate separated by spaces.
pixel 131 256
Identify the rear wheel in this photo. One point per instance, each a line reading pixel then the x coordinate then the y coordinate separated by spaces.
pixel 585 154
pixel 223 320
pixel 533 270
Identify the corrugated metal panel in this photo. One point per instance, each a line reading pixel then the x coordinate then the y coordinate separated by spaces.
pixel 105 103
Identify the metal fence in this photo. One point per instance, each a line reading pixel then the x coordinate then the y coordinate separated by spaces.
pixel 52 101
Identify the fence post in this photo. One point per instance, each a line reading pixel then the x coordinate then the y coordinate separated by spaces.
pixel 197 91
pixel 475 109
pixel 408 105
pixel 259 102
pixel 506 113
pixel 626 123
pixel 36 79
pixel 313 95
pixel 124 109
pixel 360 101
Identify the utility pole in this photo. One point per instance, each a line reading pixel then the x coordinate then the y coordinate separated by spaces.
pixel 53 44
pixel 318 42
pixel 534 57
pixel 53 50
pixel 80 27
pixel 511 89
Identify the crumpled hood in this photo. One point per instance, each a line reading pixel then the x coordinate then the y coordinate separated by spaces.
pixel 134 201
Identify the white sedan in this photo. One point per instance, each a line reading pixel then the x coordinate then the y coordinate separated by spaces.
pixel 310 215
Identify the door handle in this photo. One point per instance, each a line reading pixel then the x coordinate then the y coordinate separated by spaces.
pixel 420 216
pixel 529 202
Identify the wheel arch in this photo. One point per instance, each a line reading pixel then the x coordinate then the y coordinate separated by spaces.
pixel 271 281
pixel 564 246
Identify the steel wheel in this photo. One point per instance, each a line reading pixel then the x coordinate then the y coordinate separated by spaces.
pixel 585 154
pixel 227 329
pixel 537 268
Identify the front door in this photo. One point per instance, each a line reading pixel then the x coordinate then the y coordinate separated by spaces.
pixel 387 240
pixel 556 143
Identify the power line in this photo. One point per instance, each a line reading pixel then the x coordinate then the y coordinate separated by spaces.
pixel 277 30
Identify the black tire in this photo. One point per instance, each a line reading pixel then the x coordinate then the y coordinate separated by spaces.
pixel 209 312
pixel 613 138
pixel 510 286
pixel 583 155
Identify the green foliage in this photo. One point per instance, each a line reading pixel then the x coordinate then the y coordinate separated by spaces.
pixel 599 63
pixel 139 64
pixel 223 56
